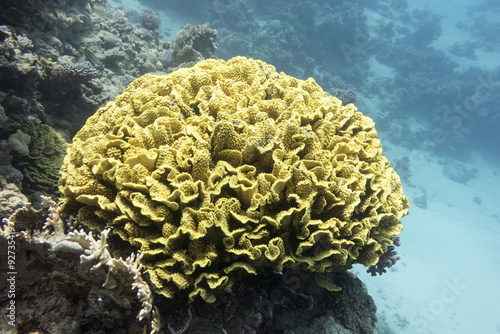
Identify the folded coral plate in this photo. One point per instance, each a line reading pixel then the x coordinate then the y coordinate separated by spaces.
pixel 231 168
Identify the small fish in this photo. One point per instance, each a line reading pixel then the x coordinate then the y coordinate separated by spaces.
pixel 93 60
pixel 53 10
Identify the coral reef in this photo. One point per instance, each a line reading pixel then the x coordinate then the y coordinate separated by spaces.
pixel 68 275
pixel 166 58
pixel 149 19
pixel 22 72
pixel 290 34
pixel 20 66
pixel 386 260
pixel 39 154
pixel 346 95
pixel 8 174
pixel 30 14
pixel 63 82
pixel 192 44
pixel 58 293
pixel 45 78
pixel 327 40
pixel 224 170
pixel 270 303
pixel 11 199
pixel 44 73
pixel 441 93
pixel 36 15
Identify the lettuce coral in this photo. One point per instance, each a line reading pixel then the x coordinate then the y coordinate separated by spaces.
pixel 41 153
pixel 228 168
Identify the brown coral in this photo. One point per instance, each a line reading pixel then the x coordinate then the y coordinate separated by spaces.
pixel 225 168
pixel 192 44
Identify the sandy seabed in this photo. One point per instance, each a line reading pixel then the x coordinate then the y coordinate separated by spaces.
pixel 446 280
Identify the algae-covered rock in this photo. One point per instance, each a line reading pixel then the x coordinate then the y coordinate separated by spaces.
pixel 227 168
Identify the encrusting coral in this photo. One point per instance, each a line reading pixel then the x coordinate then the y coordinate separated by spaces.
pixel 41 152
pixel 227 168
pixel 11 199
pixel 19 142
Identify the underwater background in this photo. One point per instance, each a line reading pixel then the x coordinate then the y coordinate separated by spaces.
pixel 427 73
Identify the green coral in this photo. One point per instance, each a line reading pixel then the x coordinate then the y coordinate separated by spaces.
pixel 227 168
pixel 46 150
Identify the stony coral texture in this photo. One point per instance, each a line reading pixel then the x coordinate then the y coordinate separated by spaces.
pixel 228 168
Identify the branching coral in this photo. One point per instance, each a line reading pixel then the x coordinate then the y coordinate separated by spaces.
pixel 227 168
pixel 346 95
pixel 65 80
pixel 70 289
pixel 97 250
pixel 386 260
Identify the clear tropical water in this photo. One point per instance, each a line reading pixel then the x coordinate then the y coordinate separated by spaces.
pixel 428 74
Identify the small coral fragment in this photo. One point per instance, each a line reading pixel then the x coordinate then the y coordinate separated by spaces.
pixel 325 280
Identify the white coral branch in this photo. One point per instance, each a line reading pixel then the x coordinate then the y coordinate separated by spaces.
pixel 94 249
pixel 80 237
pixel 97 250
pixel 6 228
pixel 143 291
pixel 133 263
pixel 54 218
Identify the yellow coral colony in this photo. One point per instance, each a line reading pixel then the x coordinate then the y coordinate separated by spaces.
pixel 225 168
